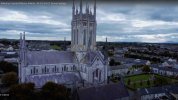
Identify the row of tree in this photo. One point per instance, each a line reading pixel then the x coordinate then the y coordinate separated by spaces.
pixel 139 56
pixel 164 53
pixel 49 91
pixel 8 67
pixel 112 62
pixel 27 91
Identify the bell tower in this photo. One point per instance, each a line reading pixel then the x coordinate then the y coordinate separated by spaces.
pixel 83 28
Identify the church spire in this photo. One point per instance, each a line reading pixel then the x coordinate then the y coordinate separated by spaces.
pixel 24 45
pixel 20 40
pixel 87 8
pixel 90 11
pixel 95 10
pixel 80 6
pixel 73 9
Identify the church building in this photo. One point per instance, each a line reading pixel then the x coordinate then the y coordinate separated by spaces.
pixel 82 64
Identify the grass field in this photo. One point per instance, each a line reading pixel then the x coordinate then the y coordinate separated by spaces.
pixel 56 47
pixel 138 77
pixel 135 80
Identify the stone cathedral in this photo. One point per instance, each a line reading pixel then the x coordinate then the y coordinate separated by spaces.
pixel 83 29
pixel 82 65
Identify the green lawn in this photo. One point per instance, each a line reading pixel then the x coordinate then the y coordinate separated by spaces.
pixel 144 85
pixel 138 77
pixel 56 47
pixel 135 80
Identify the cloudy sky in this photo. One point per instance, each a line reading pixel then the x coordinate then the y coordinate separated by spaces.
pixel 122 22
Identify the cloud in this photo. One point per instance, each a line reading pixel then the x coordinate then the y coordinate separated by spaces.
pixel 118 22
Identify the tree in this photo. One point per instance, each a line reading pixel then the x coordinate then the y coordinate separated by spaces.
pixel 128 72
pixel 112 62
pixel 110 53
pixel 146 69
pixel 117 63
pixel 148 82
pixel 10 79
pixel 128 82
pixel 8 67
pixel 22 91
pixel 134 84
pixel 141 82
pixel 53 91
pixel 160 81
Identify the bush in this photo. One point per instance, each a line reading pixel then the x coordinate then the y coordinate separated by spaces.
pixel 53 91
pixel 146 69
pixel 112 62
pixel 10 79
pixel 141 82
pixel 128 82
pixel 148 82
pixel 22 91
pixel 8 67
pixel 160 81
pixel 134 84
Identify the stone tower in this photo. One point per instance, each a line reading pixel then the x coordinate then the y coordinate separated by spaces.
pixel 83 28
pixel 22 57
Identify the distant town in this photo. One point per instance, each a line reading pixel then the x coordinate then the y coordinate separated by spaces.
pixel 82 68
pixel 147 70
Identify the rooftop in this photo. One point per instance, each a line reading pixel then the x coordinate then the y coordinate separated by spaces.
pixel 106 92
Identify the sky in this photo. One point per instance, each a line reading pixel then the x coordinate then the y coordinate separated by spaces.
pixel 119 22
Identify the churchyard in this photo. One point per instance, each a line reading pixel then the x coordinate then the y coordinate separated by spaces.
pixel 147 80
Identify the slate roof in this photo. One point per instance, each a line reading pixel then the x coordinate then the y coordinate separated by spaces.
pixel 165 68
pixel 90 57
pixel 118 67
pixel 64 78
pixel 172 88
pixel 124 60
pixel 50 57
pixel 106 92
pixel 9 54
pixel 152 90
pixel 1 58
pixel 156 90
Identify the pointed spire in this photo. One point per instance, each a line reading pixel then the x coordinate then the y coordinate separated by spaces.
pixel 80 6
pixel 20 40
pixel 73 9
pixel 87 8
pixel 64 43
pixel 76 11
pixel 24 44
pixel 95 10
pixel 90 11
pixel 23 35
pixel 20 36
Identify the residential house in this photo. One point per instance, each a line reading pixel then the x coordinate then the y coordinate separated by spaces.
pixel 169 92
pixel 120 69
pixel 151 93
pixel 164 70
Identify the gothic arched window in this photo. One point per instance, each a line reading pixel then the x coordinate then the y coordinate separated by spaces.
pixel 77 36
pixel 74 68
pixel 34 70
pixel 84 37
pixel 55 68
pixel 74 34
